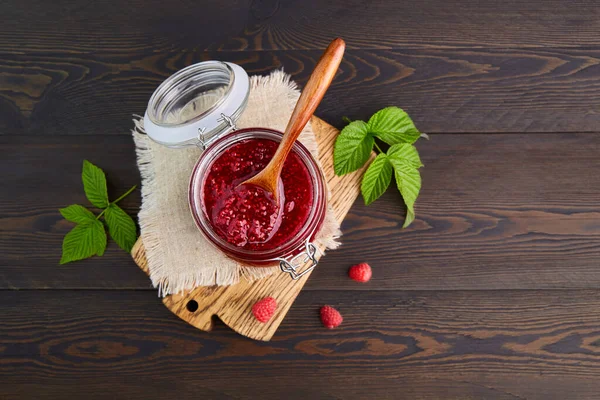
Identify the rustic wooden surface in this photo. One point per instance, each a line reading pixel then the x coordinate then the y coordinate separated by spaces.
pixel 492 293
pixel 233 304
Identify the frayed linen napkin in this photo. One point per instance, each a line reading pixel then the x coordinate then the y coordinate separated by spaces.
pixel 179 257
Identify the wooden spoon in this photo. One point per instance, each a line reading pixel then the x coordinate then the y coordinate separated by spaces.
pixel 311 96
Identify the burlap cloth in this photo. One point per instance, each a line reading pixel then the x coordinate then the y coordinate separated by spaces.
pixel 179 257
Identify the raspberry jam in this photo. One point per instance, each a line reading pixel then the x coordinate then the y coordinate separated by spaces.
pixel 245 215
pixel 244 222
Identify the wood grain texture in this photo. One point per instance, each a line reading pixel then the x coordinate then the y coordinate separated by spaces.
pixel 495 212
pixel 117 27
pixel 444 90
pixel 413 345
pixel 233 304
pixel 434 23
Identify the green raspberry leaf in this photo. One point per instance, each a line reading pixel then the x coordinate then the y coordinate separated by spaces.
pixel 352 148
pixel 377 178
pixel 94 184
pixel 408 181
pixel 393 126
pixel 121 227
pixel 78 214
pixel 83 241
pixel 405 152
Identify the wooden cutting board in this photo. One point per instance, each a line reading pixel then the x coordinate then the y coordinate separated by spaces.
pixel 233 304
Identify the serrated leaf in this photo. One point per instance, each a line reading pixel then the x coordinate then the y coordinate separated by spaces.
pixel 121 227
pixel 84 241
pixel 377 178
pixel 393 126
pixel 405 152
pixel 78 214
pixel 352 148
pixel 94 184
pixel 408 181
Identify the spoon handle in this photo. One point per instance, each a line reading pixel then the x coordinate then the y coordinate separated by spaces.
pixel 311 96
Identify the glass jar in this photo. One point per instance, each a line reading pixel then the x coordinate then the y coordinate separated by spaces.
pixel 197 104
pixel 296 249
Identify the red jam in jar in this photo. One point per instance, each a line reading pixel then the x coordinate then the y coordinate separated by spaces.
pixel 245 215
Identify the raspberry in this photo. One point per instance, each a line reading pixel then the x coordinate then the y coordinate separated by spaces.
pixel 264 309
pixel 360 272
pixel 330 317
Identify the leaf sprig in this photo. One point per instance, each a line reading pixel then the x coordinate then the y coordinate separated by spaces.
pixel 88 237
pixel 355 143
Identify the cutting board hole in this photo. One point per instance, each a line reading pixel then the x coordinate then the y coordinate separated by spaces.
pixel 192 305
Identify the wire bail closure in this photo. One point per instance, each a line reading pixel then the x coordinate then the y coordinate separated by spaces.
pixel 292 265
pixel 201 140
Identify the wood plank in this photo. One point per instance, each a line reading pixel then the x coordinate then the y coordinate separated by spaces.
pixel 117 27
pixel 495 212
pixel 445 90
pixel 413 23
pixel 471 344
pixel 275 386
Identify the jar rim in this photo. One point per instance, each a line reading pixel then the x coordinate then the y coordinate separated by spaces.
pixel 179 95
pixel 164 96
pixel 308 230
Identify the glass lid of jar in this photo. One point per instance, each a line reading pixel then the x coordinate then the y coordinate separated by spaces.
pixel 197 104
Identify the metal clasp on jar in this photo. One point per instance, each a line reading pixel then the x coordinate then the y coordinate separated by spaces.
pixel 201 141
pixel 292 265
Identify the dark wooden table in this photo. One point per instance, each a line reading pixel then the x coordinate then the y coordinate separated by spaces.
pixel 492 293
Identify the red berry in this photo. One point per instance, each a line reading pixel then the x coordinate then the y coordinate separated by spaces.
pixel 360 272
pixel 264 309
pixel 330 317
